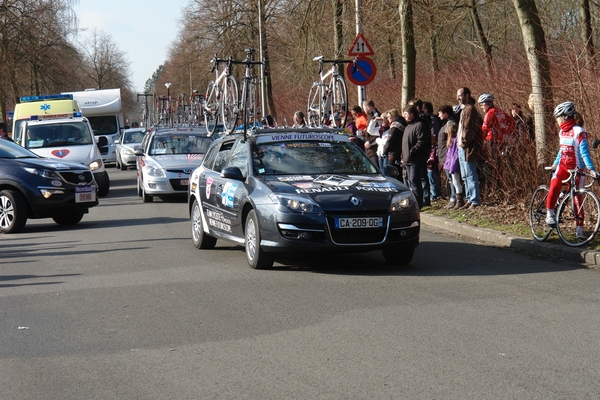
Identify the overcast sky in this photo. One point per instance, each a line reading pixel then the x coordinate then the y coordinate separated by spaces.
pixel 144 30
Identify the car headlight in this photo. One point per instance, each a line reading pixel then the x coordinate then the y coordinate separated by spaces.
pixel 296 203
pixel 94 165
pixel 127 152
pixel 157 172
pixel 402 201
pixel 44 173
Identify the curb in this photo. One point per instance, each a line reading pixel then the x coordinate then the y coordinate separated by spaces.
pixel 590 258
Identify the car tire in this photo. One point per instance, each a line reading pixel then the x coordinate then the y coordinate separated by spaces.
pixel 256 257
pixel 13 211
pixel 200 239
pixel 399 257
pixel 71 219
pixel 145 196
pixel 103 183
pixel 122 166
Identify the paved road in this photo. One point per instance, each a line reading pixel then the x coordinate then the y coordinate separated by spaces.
pixel 124 307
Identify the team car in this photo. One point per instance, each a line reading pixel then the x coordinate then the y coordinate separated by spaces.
pixel 167 158
pixel 299 190
pixel 130 141
pixel 36 187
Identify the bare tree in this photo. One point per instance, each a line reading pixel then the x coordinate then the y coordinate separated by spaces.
pixel 483 41
pixel 587 33
pixel 409 53
pixel 534 41
pixel 105 65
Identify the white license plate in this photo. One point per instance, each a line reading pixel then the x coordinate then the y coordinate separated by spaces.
pixel 184 182
pixel 85 194
pixel 359 223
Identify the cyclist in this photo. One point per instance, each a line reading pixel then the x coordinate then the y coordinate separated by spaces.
pixel 573 154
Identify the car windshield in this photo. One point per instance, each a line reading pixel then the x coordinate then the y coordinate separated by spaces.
pixel 133 137
pixel 104 125
pixel 63 134
pixel 310 157
pixel 9 149
pixel 179 144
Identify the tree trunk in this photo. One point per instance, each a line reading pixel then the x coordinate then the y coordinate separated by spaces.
pixel 391 58
pixel 587 33
pixel 483 42
pixel 338 34
pixel 534 41
pixel 409 53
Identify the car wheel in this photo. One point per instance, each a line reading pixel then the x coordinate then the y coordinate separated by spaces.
pixel 122 166
pixel 256 257
pixel 13 211
pixel 103 184
pixel 199 237
pixel 145 196
pixel 399 256
pixel 68 219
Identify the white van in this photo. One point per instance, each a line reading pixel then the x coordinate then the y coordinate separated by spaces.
pixel 103 109
pixel 68 139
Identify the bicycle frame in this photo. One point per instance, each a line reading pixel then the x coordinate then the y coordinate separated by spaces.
pixel 221 97
pixel 247 101
pixel 328 98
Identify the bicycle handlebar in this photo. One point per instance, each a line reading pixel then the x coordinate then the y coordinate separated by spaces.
pixel 574 172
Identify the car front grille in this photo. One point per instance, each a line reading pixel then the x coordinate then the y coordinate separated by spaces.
pixel 176 184
pixel 358 236
pixel 77 178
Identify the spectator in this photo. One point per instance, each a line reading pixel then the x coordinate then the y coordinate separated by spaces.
pixel 573 153
pixel 382 140
pixel 3 133
pixel 393 145
pixel 360 118
pixel 299 120
pixel 497 126
pixel 452 164
pixel 433 175
pixel 469 139
pixel 416 144
pixel 268 121
pixel 418 104
pixel 446 115
pixel 521 128
pixel 370 109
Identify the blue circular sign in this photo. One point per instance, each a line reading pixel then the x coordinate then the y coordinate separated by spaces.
pixel 363 73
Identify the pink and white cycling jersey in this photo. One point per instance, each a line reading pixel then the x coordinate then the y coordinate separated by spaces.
pixel 573 152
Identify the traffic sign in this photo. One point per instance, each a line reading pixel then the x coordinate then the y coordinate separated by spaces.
pixel 363 74
pixel 360 47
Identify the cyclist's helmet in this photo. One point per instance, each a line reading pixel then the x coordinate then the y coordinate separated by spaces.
pixel 566 109
pixel 486 98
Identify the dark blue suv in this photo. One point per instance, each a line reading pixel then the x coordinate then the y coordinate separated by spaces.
pixel 35 187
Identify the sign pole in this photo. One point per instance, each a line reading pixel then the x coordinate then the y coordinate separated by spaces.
pixel 362 92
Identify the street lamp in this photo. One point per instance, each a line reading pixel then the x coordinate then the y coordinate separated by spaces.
pixel 169 110
pixel 168 85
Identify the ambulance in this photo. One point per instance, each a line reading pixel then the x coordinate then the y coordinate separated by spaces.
pixel 54 129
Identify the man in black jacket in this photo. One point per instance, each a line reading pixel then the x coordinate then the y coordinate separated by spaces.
pixel 416 144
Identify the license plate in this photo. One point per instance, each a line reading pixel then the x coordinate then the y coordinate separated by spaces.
pixel 358 223
pixel 85 194
pixel 184 182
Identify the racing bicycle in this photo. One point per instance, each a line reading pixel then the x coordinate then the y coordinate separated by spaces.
pixel 575 206
pixel 328 98
pixel 146 117
pixel 249 96
pixel 221 98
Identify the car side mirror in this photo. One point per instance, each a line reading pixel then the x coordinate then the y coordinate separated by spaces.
pixel 139 152
pixel 232 173
pixel 391 170
pixel 102 141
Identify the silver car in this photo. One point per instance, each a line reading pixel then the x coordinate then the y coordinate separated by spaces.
pixel 130 141
pixel 167 158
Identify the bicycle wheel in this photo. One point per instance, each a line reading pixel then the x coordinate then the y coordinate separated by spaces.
pixel 582 210
pixel 314 110
pixel 230 104
pixel 537 214
pixel 211 108
pixel 339 103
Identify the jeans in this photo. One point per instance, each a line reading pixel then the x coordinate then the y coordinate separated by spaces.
pixel 413 181
pixel 452 189
pixel 434 178
pixel 468 171
pixel 425 186
pixel 383 161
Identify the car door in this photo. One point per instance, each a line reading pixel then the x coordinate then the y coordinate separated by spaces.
pixel 231 191
pixel 210 189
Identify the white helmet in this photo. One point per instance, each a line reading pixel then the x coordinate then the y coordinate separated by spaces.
pixel 486 98
pixel 566 109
